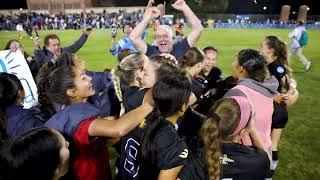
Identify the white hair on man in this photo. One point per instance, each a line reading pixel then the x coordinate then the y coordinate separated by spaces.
pixel 168 29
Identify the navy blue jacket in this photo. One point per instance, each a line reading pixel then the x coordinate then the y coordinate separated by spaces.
pixel 67 120
pixel 21 120
pixel 105 98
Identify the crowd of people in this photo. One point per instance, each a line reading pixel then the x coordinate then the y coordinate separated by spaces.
pixel 166 108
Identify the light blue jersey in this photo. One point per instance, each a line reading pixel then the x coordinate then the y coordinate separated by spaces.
pixel 125 43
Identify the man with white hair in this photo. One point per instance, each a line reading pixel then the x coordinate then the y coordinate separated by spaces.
pixel 164 40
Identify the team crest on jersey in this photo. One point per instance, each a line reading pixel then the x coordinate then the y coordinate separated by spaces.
pixel 184 154
pixel 142 124
pixel 280 69
pixel 225 160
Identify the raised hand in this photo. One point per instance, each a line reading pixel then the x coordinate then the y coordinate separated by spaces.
pixel 180 5
pixel 152 12
pixel 37 41
pixel 87 31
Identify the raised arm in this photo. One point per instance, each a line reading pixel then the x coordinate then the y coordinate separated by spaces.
pixel 79 43
pixel 192 20
pixel 138 31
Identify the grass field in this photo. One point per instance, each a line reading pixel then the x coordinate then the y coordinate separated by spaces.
pixel 300 143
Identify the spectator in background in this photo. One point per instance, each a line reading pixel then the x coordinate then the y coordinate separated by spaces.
pixel 164 38
pixel 20 30
pixel 15 45
pixel 52 49
pixel 124 43
pixel 298 42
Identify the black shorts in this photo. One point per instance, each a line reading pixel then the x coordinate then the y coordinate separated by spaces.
pixel 279 116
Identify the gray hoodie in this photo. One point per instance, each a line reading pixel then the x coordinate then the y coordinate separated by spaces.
pixel 267 88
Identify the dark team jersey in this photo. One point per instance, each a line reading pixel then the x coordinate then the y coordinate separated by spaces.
pixel 170 151
pixel 237 162
pixel 278 70
pixel 128 146
pixel 133 97
pixel 210 81
pixel 197 89
pixel 241 162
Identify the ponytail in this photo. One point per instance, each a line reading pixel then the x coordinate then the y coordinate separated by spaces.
pixel 43 83
pixel 280 51
pixel 210 136
pixel 117 87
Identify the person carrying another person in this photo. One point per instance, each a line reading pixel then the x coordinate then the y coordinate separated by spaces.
pixel 164 37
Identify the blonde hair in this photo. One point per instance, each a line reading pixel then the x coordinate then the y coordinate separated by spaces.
pixel 124 74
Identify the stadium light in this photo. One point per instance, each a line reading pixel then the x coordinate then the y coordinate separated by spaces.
pixel 255 1
pixel 293 12
pixel 265 8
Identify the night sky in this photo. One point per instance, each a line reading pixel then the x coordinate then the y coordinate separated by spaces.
pixel 235 6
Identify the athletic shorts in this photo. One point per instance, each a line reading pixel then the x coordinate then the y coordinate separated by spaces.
pixel 279 116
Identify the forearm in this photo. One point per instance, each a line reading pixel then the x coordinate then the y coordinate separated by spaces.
pixel 138 31
pixel 113 45
pixel 192 20
pixel 121 126
pixel 256 141
pixel 77 45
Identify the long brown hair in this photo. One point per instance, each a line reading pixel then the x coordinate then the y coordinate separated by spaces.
pixel 223 119
pixel 280 51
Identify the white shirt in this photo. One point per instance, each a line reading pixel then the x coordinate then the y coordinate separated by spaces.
pixel 295 35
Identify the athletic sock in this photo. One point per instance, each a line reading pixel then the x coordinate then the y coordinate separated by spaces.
pixel 274 162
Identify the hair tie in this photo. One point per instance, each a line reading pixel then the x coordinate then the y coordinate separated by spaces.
pixel 214 116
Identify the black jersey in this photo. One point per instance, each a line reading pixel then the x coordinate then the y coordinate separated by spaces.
pixel 170 152
pixel 127 163
pixel 133 97
pixel 241 162
pixel 210 81
pixel 237 162
pixel 278 70
pixel 197 89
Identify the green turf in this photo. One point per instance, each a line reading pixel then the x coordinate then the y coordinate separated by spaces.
pixel 300 143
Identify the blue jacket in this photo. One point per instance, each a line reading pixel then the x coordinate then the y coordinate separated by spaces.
pixel 105 98
pixel 21 120
pixel 67 120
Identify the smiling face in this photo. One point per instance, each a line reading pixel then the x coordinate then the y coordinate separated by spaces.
pixel 127 29
pixel 210 60
pixel 164 40
pixel 83 86
pixel 54 46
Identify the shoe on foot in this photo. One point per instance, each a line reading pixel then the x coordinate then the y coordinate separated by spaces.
pixel 308 66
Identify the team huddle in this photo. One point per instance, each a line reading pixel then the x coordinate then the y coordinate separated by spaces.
pixel 166 109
